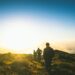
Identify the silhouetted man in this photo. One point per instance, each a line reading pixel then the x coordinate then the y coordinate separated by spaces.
pixel 48 55
pixel 35 54
pixel 39 52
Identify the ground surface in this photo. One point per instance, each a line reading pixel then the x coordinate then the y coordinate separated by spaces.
pixel 22 64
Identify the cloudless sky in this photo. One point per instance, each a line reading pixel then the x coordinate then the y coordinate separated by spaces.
pixel 47 20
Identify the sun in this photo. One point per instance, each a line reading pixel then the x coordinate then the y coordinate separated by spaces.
pixel 20 35
pixel 25 34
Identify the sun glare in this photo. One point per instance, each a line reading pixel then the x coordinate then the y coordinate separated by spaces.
pixel 23 35
pixel 20 35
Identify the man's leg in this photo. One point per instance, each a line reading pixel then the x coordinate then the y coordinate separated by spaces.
pixel 48 66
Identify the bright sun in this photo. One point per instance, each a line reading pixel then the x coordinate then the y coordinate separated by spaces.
pixel 20 35
pixel 23 35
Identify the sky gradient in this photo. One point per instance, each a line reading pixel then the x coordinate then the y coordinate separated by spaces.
pixel 27 24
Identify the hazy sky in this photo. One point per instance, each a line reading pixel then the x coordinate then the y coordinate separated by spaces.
pixel 27 24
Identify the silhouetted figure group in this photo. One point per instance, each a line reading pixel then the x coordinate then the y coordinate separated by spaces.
pixel 48 55
pixel 37 55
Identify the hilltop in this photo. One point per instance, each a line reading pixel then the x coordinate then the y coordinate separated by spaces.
pixel 24 64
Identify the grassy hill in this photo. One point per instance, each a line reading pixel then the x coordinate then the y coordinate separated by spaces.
pixel 24 64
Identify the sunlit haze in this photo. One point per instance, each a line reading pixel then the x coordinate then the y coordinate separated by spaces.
pixel 24 29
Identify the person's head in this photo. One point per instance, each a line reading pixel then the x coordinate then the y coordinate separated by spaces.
pixel 47 44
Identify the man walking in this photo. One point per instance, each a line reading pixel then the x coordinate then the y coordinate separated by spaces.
pixel 48 55
pixel 39 52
